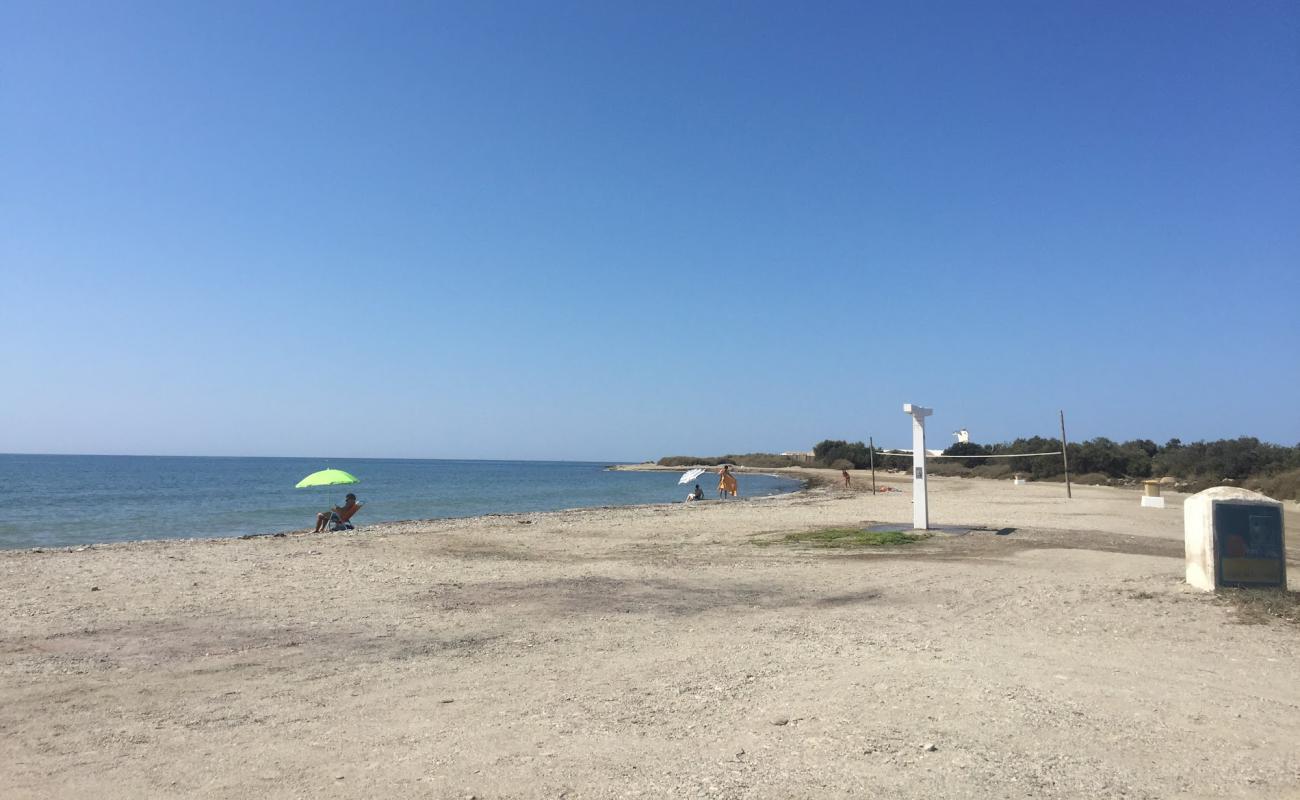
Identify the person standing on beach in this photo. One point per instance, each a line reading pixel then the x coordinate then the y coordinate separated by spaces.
pixel 726 482
pixel 845 473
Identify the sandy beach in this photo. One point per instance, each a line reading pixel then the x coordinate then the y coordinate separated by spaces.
pixel 654 651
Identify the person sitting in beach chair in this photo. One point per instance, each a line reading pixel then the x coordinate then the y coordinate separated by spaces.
pixel 337 518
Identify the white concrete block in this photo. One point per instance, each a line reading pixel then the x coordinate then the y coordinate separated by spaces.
pixel 1252 556
pixel 1153 502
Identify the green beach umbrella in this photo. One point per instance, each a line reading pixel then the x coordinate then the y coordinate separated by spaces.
pixel 326 477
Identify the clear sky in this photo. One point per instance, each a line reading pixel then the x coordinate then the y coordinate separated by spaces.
pixel 623 230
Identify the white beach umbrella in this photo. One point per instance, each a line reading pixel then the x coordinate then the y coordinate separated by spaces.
pixel 690 476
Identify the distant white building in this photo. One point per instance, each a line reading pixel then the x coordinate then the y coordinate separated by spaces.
pixel 799 455
pixel 963 436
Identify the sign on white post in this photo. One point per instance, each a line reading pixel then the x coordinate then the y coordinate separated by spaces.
pixel 920 511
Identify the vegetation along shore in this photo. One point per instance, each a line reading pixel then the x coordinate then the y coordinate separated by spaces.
pixel 1246 461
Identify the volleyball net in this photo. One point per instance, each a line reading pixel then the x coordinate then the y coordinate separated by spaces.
pixel 1022 463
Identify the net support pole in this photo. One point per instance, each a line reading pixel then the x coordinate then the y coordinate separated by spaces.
pixel 920 510
pixel 873 465
pixel 1065 457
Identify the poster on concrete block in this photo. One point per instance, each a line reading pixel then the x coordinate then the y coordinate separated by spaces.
pixel 1248 540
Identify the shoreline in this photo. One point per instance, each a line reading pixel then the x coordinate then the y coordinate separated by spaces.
pixel 815 481
pixel 804 486
pixel 812 477
pixel 801 485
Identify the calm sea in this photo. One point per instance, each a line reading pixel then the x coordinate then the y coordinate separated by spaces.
pixel 55 501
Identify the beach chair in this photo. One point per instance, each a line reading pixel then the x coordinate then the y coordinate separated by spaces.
pixel 341 522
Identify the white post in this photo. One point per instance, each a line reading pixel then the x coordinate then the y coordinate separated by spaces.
pixel 920 513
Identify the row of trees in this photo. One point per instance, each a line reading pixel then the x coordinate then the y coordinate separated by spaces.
pixel 1271 468
pixel 756 460
pixel 1234 459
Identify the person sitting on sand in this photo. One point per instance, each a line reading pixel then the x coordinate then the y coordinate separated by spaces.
pixel 340 514
pixel 698 494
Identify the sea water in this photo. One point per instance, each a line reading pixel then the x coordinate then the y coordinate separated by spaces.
pixel 56 501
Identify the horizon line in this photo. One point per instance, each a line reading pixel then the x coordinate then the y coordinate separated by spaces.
pixel 326 458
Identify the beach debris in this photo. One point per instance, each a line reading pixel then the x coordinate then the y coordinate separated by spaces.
pixel 525 522
pixel 929 747
pixel 780 720
pixel 94 588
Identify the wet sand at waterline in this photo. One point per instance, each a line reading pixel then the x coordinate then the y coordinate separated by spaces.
pixel 652 651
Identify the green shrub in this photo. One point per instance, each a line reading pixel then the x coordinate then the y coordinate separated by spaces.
pixel 993 470
pixel 1283 486
pixel 855 537
pixel 829 451
pixel 757 460
pixel 948 468
pixel 686 461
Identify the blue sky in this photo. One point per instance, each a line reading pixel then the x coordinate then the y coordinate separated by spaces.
pixel 623 230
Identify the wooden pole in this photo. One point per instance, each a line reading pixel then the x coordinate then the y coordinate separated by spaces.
pixel 873 463
pixel 1065 458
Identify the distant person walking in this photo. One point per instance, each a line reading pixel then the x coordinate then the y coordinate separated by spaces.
pixel 847 479
pixel 726 482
